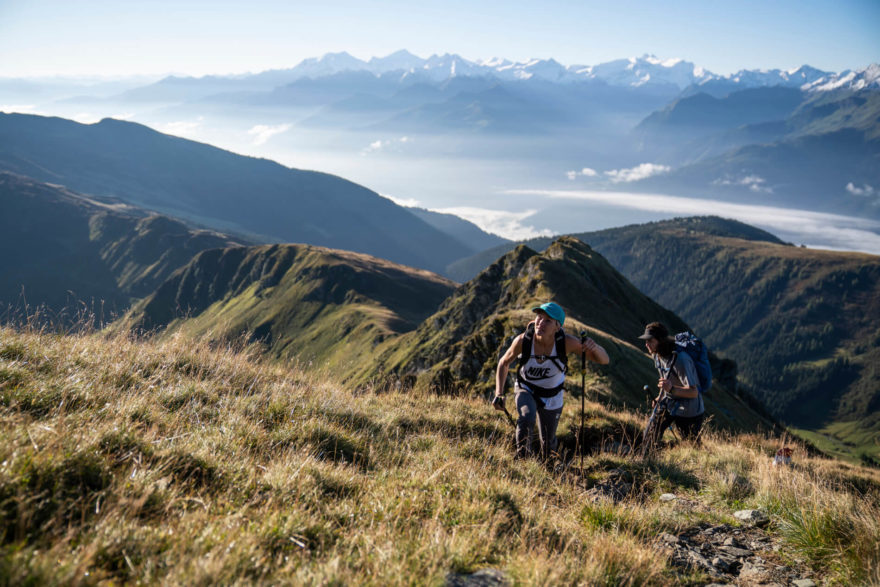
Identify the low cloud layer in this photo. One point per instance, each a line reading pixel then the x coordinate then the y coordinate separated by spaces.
pixel 19 108
pixel 865 190
pixel 501 222
pixel 181 128
pixel 636 173
pixel 585 172
pixel 264 132
pixel 86 118
pixel 753 182
pixel 405 202
pixel 386 145
pixel 814 229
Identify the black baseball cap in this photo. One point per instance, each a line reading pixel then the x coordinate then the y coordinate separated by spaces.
pixel 655 330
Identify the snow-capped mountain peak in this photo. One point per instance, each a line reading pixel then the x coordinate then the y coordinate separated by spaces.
pixel 399 60
pixel 654 60
pixel 647 70
pixel 496 62
pixel 852 80
pixel 329 64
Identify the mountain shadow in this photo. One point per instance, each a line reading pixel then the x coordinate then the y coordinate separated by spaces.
pixel 67 252
pixel 257 198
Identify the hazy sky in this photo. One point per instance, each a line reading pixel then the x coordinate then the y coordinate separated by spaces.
pixel 196 37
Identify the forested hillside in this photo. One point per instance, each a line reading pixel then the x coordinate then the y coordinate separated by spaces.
pixel 803 325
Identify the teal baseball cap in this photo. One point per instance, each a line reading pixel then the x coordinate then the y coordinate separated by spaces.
pixel 553 310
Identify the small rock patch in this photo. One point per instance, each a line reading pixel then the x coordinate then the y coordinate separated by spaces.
pixel 731 555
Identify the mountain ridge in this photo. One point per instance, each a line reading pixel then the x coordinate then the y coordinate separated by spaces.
pixel 258 198
pixel 801 323
pixel 457 348
pixel 377 325
pixel 72 250
pixel 298 301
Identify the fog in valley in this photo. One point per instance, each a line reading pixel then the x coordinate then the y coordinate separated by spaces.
pixel 518 157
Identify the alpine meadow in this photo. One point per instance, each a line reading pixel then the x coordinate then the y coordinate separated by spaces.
pixel 282 303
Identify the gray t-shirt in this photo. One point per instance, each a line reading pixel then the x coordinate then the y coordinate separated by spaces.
pixel 683 374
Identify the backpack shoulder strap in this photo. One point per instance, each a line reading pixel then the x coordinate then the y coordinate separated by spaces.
pixel 561 358
pixel 526 349
pixel 561 353
pixel 668 368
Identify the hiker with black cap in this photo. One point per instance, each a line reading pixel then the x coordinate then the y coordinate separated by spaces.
pixel 544 349
pixel 678 385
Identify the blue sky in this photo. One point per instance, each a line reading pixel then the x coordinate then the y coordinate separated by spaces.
pixel 197 37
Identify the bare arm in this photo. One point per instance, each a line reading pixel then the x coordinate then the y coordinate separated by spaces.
pixel 590 348
pixel 504 364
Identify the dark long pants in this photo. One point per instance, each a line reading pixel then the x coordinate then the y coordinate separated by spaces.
pixel 688 427
pixel 528 410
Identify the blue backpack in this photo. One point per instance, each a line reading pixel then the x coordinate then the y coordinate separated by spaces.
pixel 694 347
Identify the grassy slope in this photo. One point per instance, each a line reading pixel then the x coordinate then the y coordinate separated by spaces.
pixel 301 302
pixel 186 463
pixel 71 249
pixel 800 323
pixel 460 344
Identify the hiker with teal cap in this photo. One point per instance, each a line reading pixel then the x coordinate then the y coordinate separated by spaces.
pixel 543 349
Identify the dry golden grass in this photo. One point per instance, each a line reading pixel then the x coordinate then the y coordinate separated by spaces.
pixel 176 462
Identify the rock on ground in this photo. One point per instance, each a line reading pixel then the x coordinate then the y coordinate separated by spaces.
pixel 481 578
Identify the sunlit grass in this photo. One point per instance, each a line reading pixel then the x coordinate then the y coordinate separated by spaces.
pixel 183 462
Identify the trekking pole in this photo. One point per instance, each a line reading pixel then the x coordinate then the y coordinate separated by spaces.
pixel 499 400
pixel 649 425
pixel 648 436
pixel 583 394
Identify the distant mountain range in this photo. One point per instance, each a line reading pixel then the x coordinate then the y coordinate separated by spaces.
pixel 646 70
pixel 801 138
pixel 772 145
